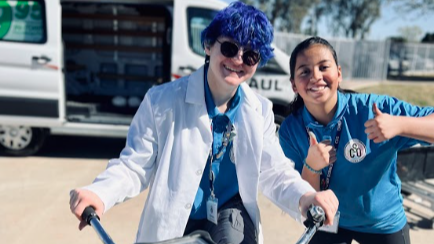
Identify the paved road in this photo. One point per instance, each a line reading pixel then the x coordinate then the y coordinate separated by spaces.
pixel 34 199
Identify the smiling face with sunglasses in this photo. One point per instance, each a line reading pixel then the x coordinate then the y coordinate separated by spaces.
pixel 230 65
pixel 236 42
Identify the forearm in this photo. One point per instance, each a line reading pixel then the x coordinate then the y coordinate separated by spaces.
pixel 420 128
pixel 311 177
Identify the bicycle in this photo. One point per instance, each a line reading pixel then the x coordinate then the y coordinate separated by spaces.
pixel 315 219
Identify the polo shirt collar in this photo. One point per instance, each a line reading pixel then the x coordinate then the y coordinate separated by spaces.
pixel 310 121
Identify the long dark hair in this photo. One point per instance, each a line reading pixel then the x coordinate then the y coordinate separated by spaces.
pixel 298 102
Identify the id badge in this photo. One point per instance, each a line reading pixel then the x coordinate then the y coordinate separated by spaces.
pixel 211 209
pixel 332 228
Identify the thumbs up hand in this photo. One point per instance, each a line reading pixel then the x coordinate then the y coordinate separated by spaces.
pixel 312 138
pixel 321 154
pixel 382 127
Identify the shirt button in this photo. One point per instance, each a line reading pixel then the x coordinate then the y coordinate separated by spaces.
pixel 199 172
pixel 188 206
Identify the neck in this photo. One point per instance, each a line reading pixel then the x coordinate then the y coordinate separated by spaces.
pixel 323 114
pixel 221 96
pixel 222 102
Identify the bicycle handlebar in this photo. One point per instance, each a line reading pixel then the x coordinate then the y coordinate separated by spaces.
pixel 92 219
pixel 315 219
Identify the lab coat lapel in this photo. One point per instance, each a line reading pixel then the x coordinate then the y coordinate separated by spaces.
pixel 248 148
pixel 248 142
pixel 196 114
pixel 195 89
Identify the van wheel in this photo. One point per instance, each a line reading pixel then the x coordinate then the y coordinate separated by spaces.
pixel 21 140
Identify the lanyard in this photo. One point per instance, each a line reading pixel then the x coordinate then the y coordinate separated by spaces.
pixel 226 138
pixel 326 183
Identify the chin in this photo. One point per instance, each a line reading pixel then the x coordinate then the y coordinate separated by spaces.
pixel 234 81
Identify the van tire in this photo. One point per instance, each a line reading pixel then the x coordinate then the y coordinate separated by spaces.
pixel 30 141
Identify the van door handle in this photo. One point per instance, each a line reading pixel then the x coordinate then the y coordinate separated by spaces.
pixel 41 60
pixel 187 69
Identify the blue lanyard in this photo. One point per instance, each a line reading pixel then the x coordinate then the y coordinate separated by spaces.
pixel 325 183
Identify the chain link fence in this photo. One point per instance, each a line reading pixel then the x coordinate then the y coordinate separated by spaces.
pixel 373 60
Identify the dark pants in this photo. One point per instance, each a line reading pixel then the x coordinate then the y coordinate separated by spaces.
pixel 234 224
pixel 347 236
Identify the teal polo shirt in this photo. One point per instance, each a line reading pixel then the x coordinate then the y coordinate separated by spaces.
pixel 226 181
pixel 364 176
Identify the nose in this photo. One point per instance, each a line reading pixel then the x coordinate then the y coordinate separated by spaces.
pixel 238 58
pixel 316 75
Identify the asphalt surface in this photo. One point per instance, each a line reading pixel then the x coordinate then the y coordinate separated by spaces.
pixel 34 199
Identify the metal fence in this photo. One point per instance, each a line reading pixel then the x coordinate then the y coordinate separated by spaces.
pixel 373 60
pixel 415 59
pixel 358 59
pixel 362 59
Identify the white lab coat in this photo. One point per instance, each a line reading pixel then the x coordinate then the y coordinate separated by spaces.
pixel 167 148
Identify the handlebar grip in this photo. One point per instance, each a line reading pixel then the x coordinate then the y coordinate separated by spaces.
pixel 89 214
pixel 315 216
pixel 315 219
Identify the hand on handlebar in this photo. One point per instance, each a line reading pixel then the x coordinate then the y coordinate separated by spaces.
pixel 327 200
pixel 315 219
pixel 80 199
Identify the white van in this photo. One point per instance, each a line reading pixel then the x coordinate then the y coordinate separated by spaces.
pixel 82 67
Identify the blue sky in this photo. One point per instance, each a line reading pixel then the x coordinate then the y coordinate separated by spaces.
pixel 390 22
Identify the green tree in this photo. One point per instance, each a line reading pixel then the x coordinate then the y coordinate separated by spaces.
pixel 285 15
pixel 428 38
pixel 414 6
pixel 410 33
pixel 351 18
pixel 314 16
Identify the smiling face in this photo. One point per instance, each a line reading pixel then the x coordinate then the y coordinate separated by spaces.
pixel 226 74
pixel 316 77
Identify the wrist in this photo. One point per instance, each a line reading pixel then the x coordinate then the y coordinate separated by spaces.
pixel 404 123
pixel 307 166
pixel 305 201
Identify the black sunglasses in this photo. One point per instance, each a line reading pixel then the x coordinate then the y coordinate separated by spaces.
pixel 230 50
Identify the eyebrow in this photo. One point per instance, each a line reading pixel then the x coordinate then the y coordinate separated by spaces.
pixel 320 62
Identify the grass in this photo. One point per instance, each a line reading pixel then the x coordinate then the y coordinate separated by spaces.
pixel 417 94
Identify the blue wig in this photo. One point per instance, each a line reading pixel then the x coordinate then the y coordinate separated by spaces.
pixel 246 25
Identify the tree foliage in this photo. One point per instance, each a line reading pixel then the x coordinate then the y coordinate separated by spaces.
pixel 285 15
pixel 410 33
pixel 428 38
pixel 349 18
pixel 414 6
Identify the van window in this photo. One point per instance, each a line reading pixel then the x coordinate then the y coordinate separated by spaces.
pixel 198 19
pixel 22 21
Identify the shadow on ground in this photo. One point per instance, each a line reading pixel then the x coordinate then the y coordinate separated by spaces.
pixel 81 147
pixel 410 78
pixel 422 223
pixel 418 220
